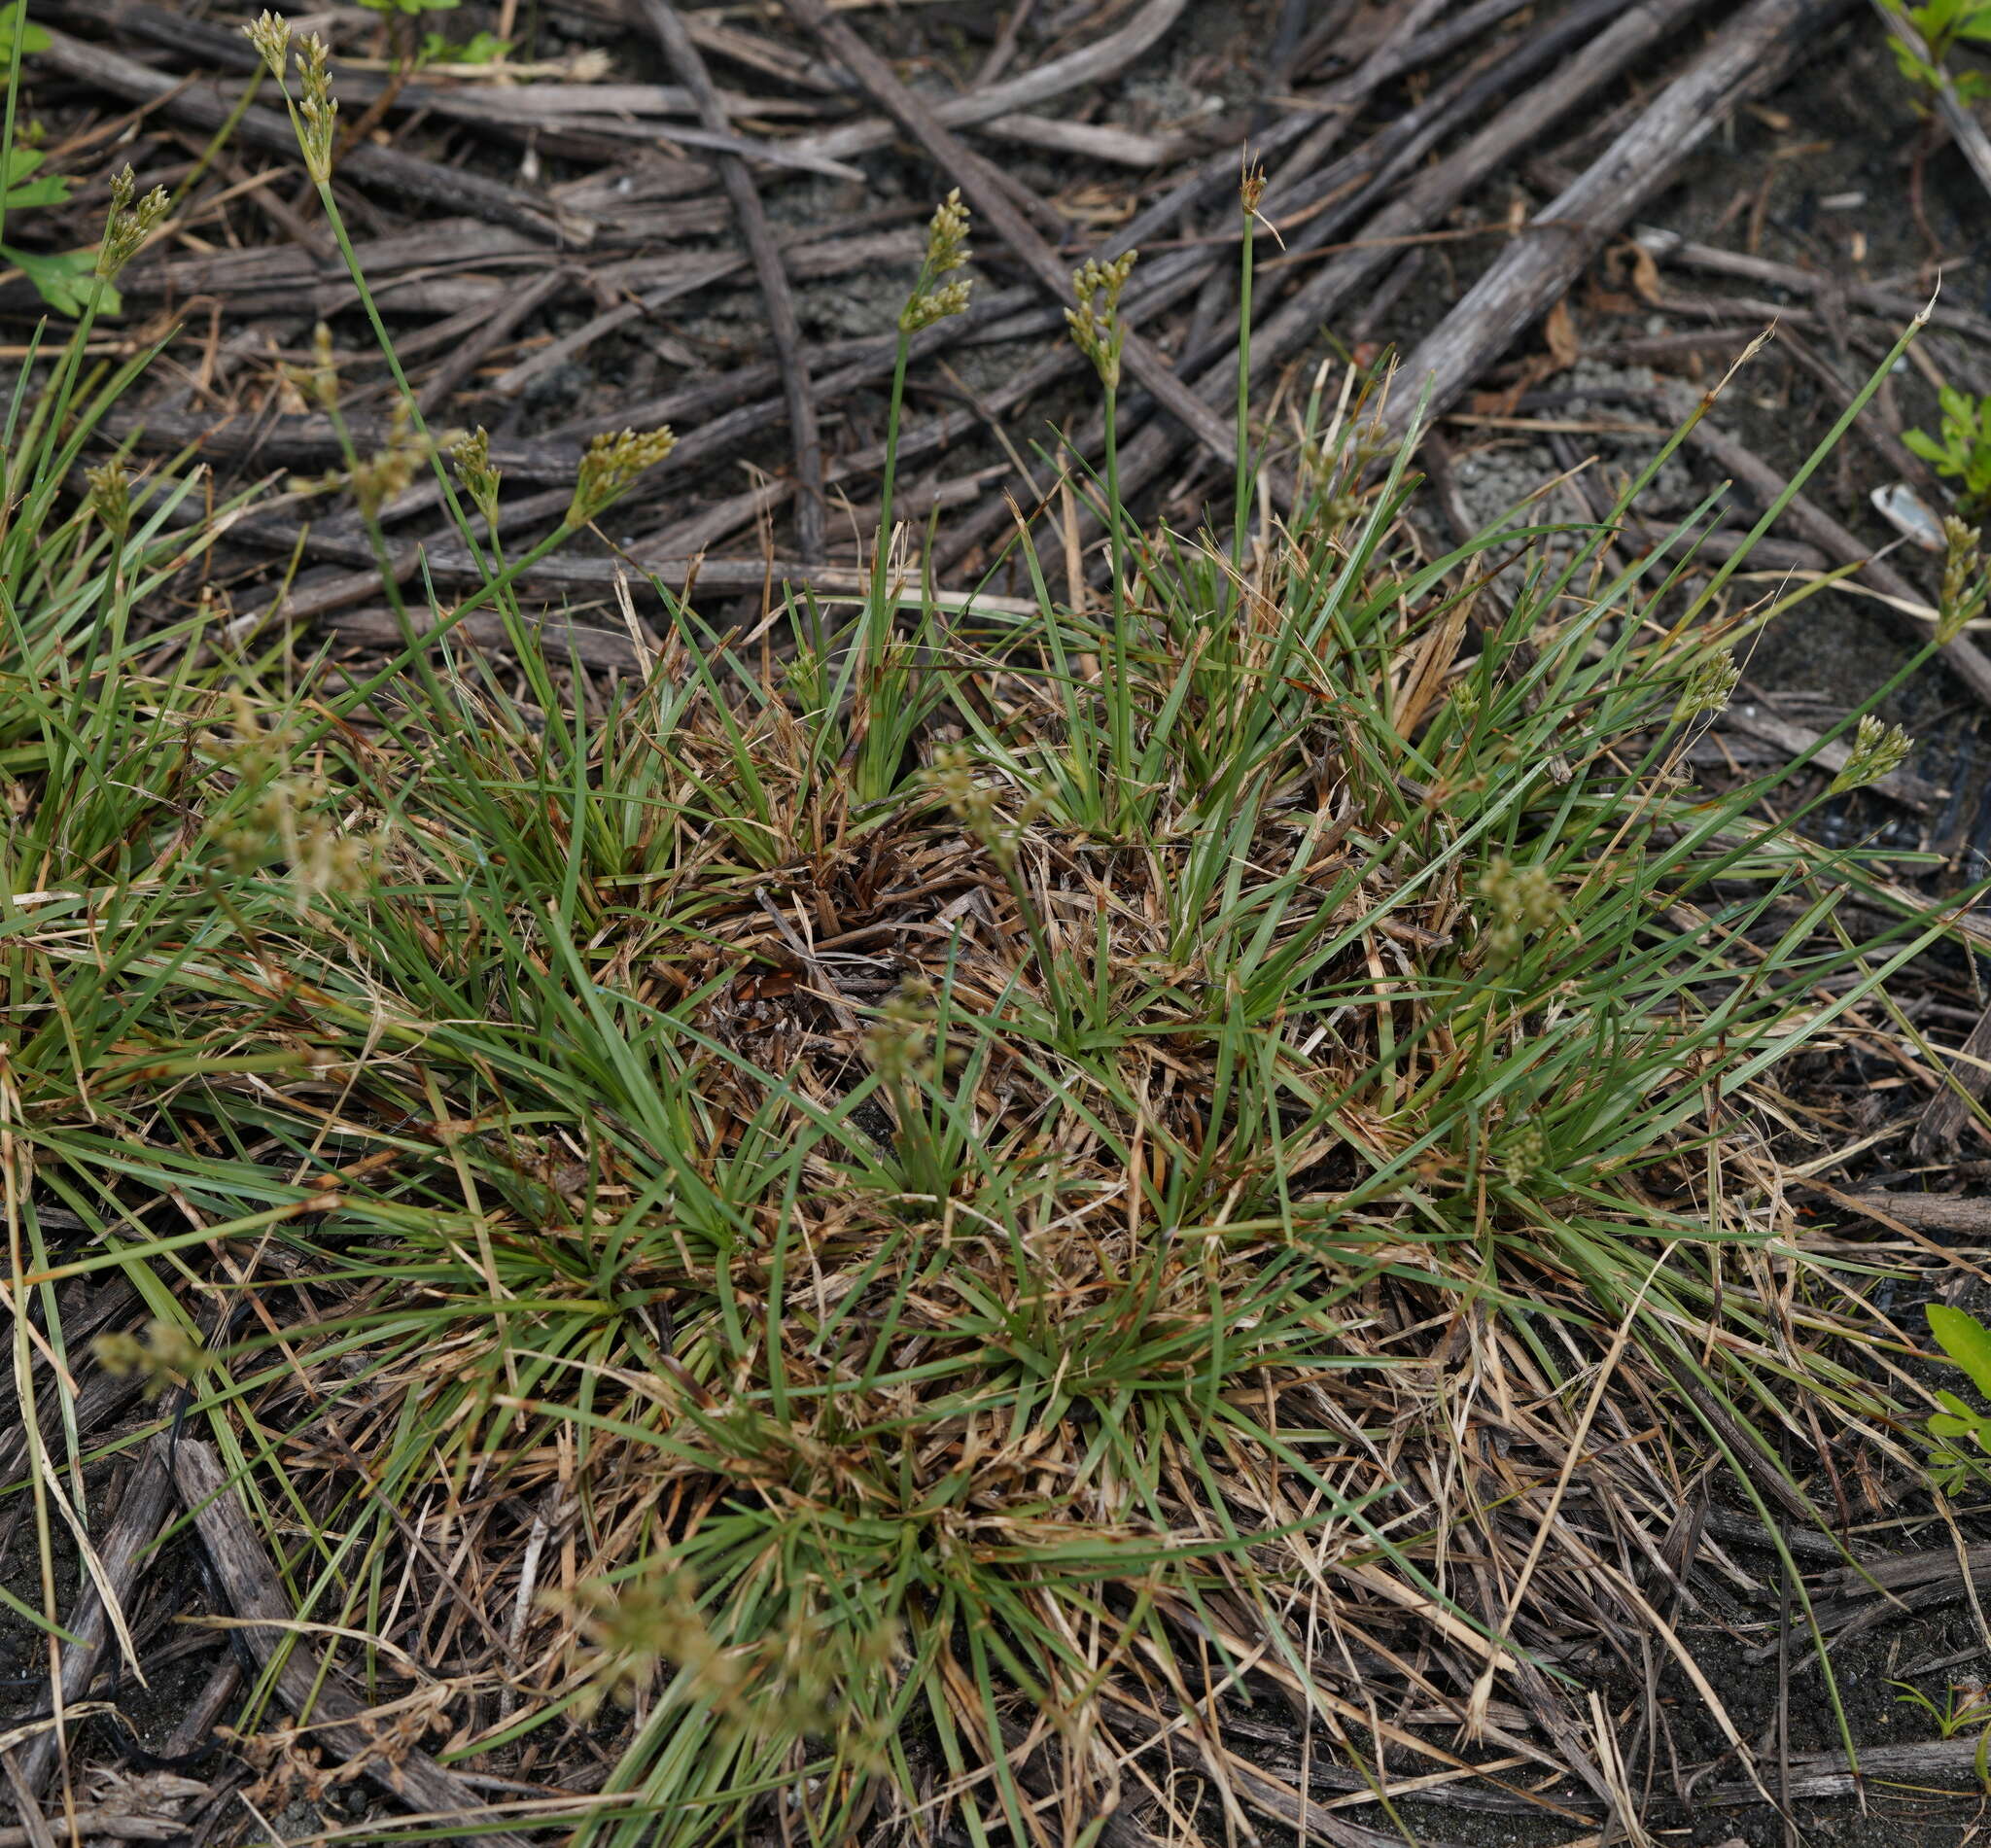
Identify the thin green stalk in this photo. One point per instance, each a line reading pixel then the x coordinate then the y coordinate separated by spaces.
pixel 419 424
pixel 875 605
pixel 1125 769
pixel 1242 511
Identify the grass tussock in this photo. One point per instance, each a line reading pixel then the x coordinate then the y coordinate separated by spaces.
pixel 934 1225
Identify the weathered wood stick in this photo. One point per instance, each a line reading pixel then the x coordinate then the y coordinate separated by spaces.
pixel 1748 56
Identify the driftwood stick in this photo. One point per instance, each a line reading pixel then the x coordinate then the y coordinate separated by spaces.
pixel 1669 247
pixel 469 354
pixel 1927 1212
pixel 684 275
pixel 1378 241
pixel 255 1590
pixel 986 190
pixel 1374 70
pixel 140 1516
pixel 1811 522
pixel 689 68
pixel 1588 67
pixel 388 168
pixel 1945 1115
pixel 1745 58
pixel 1090 64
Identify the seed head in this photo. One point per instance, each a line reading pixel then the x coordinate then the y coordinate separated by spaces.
pixel 1251 189
pixel 317 121
pixel 318 383
pixel 946 250
pixel 1878 750
pixel 110 494
pixel 1519 899
pixel 900 1042
pixel 379 477
pixel 1521 1159
pixel 1094 323
pixel 270 35
pixel 952 778
pixel 128 225
pixel 472 455
pixel 165 1355
pixel 923 310
pixel 1963 580
pixel 1707 687
pixel 611 465
pixel 947 235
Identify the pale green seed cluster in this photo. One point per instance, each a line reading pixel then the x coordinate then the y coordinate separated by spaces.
pixel 270 35
pixel 285 818
pixel 1963 580
pixel 165 1355
pixel 315 115
pixel 611 465
pixel 130 224
pixel 633 1629
pixel 952 778
pixel 946 250
pixel 376 479
pixel 317 383
pixel 471 456
pixel 1523 1157
pixel 787 1681
pixel 110 494
pixel 1709 683
pixel 1519 901
pixel 1878 750
pixel 900 1042
pixel 1094 323
pixel 317 111
pixel 388 473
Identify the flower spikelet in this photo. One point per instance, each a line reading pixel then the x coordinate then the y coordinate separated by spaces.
pixel 611 465
pixel 946 250
pixel 1708 686
pixel 1095 322
pixel 270 35
pixel 1878 750
pixel 129 224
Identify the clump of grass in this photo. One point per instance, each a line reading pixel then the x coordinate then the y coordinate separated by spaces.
pixel 936 1215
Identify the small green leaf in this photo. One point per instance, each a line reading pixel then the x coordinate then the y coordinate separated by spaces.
pixel 17 192
pixel 483 48
pixel 14 25
pixel 50 191
pixel 64 279
pixel 1921 443
pixel 1966 1340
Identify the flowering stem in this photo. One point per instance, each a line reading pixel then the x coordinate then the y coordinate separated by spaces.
pixel 1244 501
pixel 1123 711
pixel 385 342
pixel 881 546
pixel 354 697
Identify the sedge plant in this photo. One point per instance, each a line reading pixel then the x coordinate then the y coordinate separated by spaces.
pixel 926 1220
